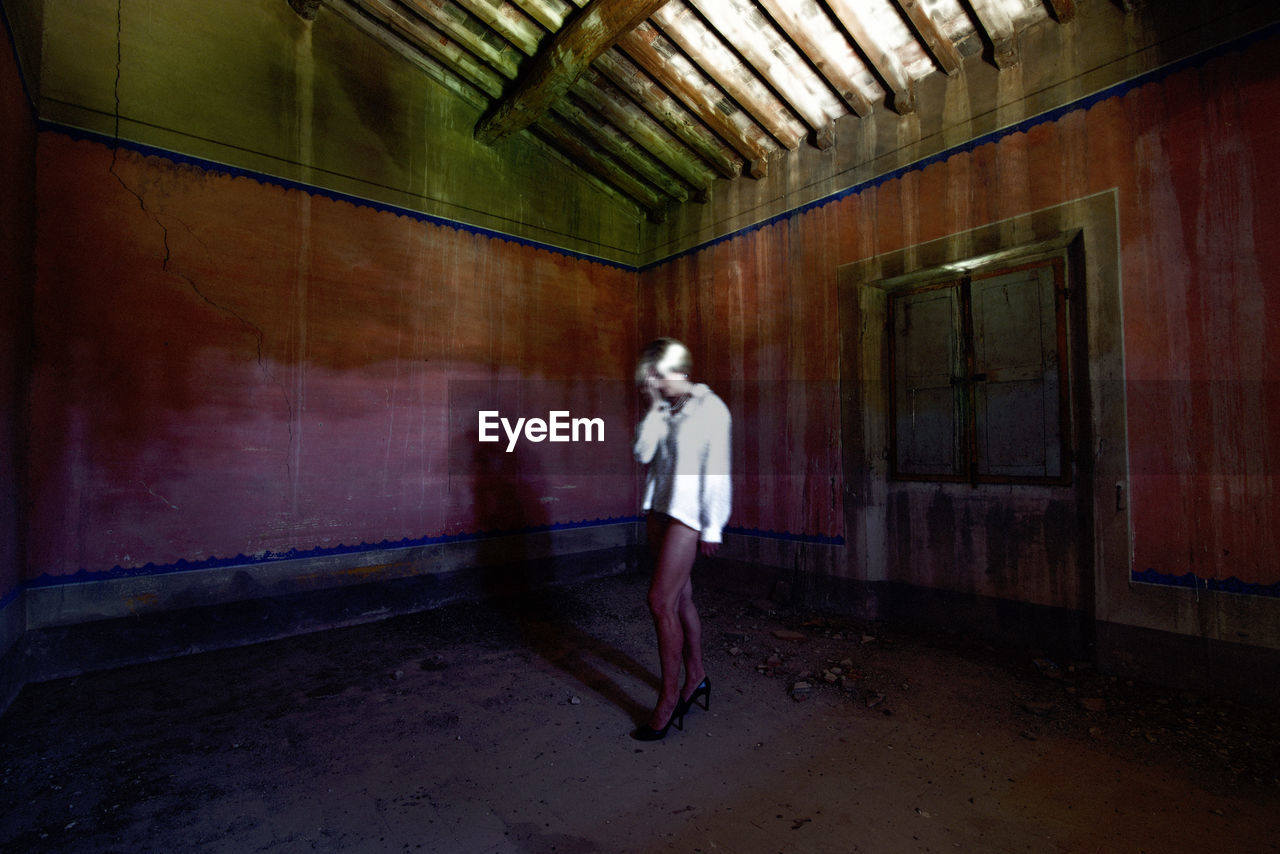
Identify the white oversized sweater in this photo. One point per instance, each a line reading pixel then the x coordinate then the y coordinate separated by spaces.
pixel 687 452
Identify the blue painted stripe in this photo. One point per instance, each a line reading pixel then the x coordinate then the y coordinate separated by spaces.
pixel 83 575
pixel 217 168
pixel 810 539
pixel 151 569
pixel 1191 581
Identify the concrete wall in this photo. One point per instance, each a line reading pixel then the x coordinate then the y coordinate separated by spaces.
pixel 17 244
pixel 1178 469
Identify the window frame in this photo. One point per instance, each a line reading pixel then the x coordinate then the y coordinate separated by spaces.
pixel 968 468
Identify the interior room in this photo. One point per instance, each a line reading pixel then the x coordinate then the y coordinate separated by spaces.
pixel 320 389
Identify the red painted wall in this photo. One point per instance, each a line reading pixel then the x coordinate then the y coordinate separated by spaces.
pixel 226 368
pixel 17 241
pixel 1190 157
pixel 229 368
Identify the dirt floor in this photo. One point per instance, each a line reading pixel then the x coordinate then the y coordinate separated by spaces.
pixel 504 728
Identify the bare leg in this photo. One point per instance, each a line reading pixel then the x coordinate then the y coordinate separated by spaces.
pixel 670 601
pixel 691 623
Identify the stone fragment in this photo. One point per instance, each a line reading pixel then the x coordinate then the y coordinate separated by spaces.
pixel 1040 709
pixel 787 634
pixel 1093 704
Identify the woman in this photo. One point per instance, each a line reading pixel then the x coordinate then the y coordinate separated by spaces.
pixel 684 439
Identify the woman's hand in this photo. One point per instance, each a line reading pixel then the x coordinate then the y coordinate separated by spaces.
pixel 652 391
pixel 708 549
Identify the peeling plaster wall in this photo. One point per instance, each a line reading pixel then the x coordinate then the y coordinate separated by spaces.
pixel 228 370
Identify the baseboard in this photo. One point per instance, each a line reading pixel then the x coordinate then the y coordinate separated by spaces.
pixel 52 651
pixel 13 657
pixel 1236 670
pixel 56 651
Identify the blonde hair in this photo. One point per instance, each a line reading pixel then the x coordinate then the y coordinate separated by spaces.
pixel 662 355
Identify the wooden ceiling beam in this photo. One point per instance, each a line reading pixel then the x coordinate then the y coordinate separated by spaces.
pixel 599 95
pixel 552 71
pixel 760 105
pixel 588 158
pixel 998 27
pixel 837 73
pixel 944 51
pixel 550 14
pixel 704 38
pixel 507 21
pixel 1062 10
pixel 620 148
pixel 479 85
pixel 671 114
pixel 435 43
pixel 452 20
pixel 613 106
pixel 639 45
pixel 892 73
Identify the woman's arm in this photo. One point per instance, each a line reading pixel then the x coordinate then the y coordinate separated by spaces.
pixel 717 484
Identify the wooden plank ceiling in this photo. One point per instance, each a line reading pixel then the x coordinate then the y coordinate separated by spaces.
pixel 659 99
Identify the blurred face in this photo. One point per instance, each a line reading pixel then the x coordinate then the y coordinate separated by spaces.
pixel 668 383
pixel 667 376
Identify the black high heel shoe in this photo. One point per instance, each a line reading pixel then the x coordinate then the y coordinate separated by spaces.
pixel 648 733
pixel 704 691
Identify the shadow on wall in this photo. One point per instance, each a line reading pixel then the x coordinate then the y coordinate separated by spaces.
pixel 518 577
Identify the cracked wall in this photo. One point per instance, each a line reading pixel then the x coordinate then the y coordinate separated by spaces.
pixel 226 368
